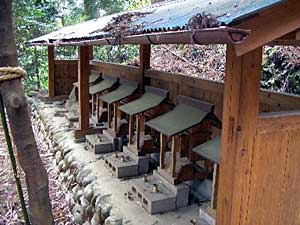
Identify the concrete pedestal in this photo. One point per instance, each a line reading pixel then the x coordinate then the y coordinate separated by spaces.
pixel 127 164
pixel 103 143
pixel 95 122
pixel 168 196
pixel 72 117
pixel 207 216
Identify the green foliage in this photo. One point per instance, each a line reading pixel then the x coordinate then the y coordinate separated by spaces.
pixel 135 4
pixel 97 8
pixel 281 70
pixel 116 54
pixel 66 52
pixel 33 20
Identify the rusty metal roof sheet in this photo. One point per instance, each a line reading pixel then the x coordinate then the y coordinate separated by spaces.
pixel 176 14
pixel 162 17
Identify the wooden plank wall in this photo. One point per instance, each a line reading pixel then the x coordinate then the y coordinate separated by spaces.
pixel 275 178
pixel 117 70
pixel 65 72
pixel 205 90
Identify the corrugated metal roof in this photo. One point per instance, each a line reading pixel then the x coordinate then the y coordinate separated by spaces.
pixel 176 14
pixel 82 30
pixel 164 16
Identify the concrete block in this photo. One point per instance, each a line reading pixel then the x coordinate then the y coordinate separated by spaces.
pixel 154 202
pixel 72 116
pixel 109 134
pixel 169 197
pixel 127 164
pixel 79 140
pixel 180 190
pixel 205 217
pixel 99 143
pixel 142 161
pixel 94 121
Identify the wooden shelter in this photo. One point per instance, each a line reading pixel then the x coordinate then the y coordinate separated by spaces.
pixel 259 173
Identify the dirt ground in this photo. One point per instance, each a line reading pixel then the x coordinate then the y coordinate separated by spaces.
pixel 10 210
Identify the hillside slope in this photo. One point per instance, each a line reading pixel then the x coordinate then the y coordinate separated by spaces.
pixel 281 65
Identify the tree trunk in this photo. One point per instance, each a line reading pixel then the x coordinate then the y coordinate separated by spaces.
pixel 20 125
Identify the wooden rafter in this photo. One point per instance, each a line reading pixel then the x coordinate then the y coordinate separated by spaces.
pixel 269 25
pixel 290 39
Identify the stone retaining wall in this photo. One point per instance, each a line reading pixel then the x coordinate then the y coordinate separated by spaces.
pixel 86 202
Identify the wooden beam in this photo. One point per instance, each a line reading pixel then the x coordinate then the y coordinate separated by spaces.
pixel 279 121
pixel 145 55
pixel 269 25
pixel 120 71
pixel 83 86
pixel 290 39
pixel 51 75
pixel 240 114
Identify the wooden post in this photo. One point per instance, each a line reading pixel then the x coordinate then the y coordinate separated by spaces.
pixel 109 115
pixel 174 154
pixel 93 104
pixel 51 75
pixel 162 151
pixel 138 132
pixel 85 54
pixel 99 105
pixel 141 119
pixel 115 105
pixel 240 114
pixel 130 127
pixel 145 54
pixel 214 195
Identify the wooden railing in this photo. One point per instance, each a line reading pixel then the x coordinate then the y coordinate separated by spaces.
pixel 202 89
